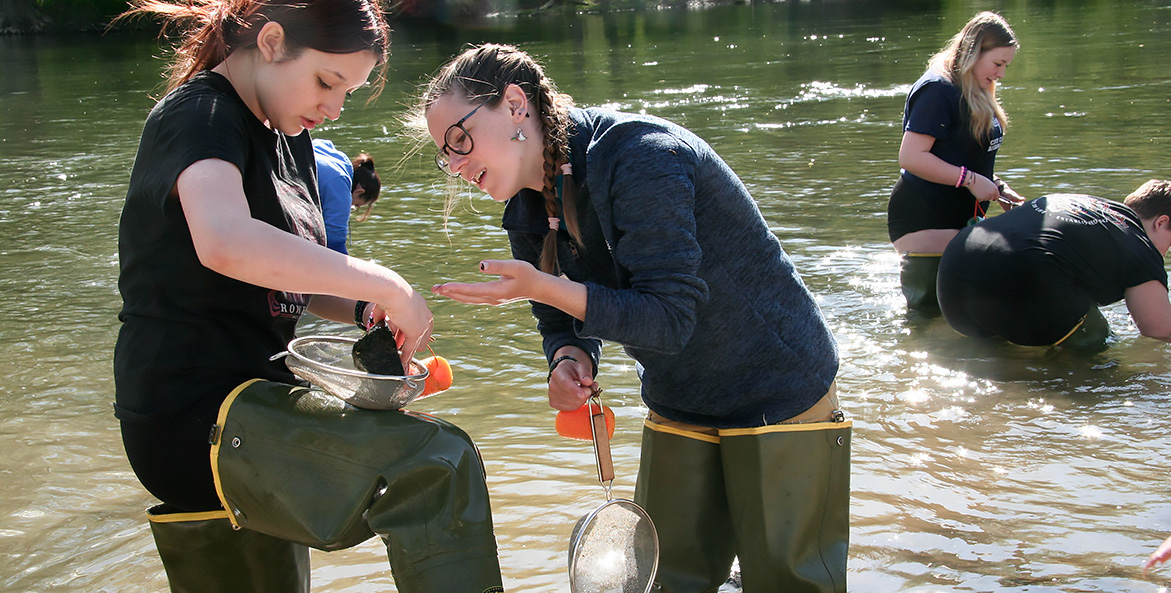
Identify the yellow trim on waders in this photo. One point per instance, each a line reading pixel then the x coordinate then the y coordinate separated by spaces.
pixel 922 254
pixel 1077 326
pixel 185 517
pixel 690 434
pixel 802 427
pixel 221 419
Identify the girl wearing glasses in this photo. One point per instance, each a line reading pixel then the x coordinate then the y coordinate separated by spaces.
pixel 222 248
pixel 630 229
pixel 952 129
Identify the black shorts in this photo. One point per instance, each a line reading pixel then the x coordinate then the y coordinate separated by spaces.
pixel 913 209
pixel 1019 297
pixel 171 455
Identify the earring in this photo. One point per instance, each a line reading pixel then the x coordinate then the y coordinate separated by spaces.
pixel 520 136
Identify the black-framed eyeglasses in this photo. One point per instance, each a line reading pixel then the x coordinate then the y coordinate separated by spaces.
pixel 457 139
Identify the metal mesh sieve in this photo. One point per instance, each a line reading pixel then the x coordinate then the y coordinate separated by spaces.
pixel 327 362
pixel 614 549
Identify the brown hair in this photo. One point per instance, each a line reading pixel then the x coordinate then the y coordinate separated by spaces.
pixel 213 29
pixel 481 73
pixel 1151 200
pixel 985 31
pixel 366 177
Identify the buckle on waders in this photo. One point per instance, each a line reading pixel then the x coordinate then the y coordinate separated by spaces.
pixel 837 416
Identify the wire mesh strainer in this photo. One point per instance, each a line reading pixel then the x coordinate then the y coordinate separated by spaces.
pixel 614 549
pixel 327 362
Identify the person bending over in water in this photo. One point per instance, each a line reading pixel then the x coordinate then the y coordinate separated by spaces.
pixel 628 228
pixel 952 129
pixel 222 248
pixel 1036 275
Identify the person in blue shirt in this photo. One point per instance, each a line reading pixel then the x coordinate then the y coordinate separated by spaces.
pixel 344 185
pixel 953 126
pixel 630 229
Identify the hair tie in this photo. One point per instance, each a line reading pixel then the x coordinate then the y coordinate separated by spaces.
pixel 567 169
pixel 554 223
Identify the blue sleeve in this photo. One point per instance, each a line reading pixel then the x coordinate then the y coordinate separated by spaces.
pixel 335 208
pixel 652 195
pixel 932 109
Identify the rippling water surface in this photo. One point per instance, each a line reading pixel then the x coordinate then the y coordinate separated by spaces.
pixel 977 466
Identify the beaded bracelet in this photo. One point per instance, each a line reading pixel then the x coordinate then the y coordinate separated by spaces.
pixel 963 173
pixel 557 361
pixel 360 313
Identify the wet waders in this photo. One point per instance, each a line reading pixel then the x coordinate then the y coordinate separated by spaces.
pixel 301 468
pixel 917 276
pixel 203 553
pixel 1090 333
pixel 776 496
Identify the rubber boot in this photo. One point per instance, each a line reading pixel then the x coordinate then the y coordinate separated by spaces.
pixel 1089 335
pixel 681 486
pixel 203 553
pixel 304 466
pixel 789 497
pixel 917 275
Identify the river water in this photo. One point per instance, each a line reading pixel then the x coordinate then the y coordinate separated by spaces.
pixel 977 467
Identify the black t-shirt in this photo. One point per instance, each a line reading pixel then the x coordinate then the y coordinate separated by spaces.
pixel 936 107
pixel 1099 243
pixel 189 332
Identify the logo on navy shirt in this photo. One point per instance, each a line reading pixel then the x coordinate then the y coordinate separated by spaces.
pixel 997 136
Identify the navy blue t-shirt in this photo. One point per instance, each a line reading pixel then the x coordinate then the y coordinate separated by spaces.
pixel 935 107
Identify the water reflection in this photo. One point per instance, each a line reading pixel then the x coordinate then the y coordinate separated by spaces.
pixel 977 466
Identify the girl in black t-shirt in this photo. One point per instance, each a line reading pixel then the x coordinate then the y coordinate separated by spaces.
pixel 952 128
pixel 222 248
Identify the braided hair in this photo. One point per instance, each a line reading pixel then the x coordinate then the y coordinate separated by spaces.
pixel 481 73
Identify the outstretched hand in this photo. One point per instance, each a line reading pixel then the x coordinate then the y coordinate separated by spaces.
pixel 515 284
pixel 1159 556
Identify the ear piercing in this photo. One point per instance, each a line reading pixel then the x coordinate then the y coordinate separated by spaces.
pixel 520 136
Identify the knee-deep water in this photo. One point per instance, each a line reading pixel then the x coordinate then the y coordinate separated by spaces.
pixel 976 466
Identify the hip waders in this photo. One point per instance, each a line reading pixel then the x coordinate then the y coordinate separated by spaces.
pixel 776 496
pixel 203 553
pixel 303 468
pixel 917 276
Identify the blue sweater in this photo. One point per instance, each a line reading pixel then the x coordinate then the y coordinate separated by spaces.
pixel 682 270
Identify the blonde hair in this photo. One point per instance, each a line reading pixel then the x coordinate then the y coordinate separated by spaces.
pixel 985 31
pixel 481 73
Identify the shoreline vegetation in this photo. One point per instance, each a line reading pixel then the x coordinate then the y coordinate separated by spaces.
pixel 33 17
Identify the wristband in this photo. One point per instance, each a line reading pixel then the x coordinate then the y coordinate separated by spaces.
pixel 359 313
pixel 963 173
pixel 557 361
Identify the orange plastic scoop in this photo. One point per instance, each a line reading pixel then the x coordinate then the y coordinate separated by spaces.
pixel 439 376
pixel 576 424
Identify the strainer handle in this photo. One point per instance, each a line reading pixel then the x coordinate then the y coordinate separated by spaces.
pixel 601 436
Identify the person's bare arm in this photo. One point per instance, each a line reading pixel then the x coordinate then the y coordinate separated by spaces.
pixel 1150 309
pixel 229 241
pixel 915 156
